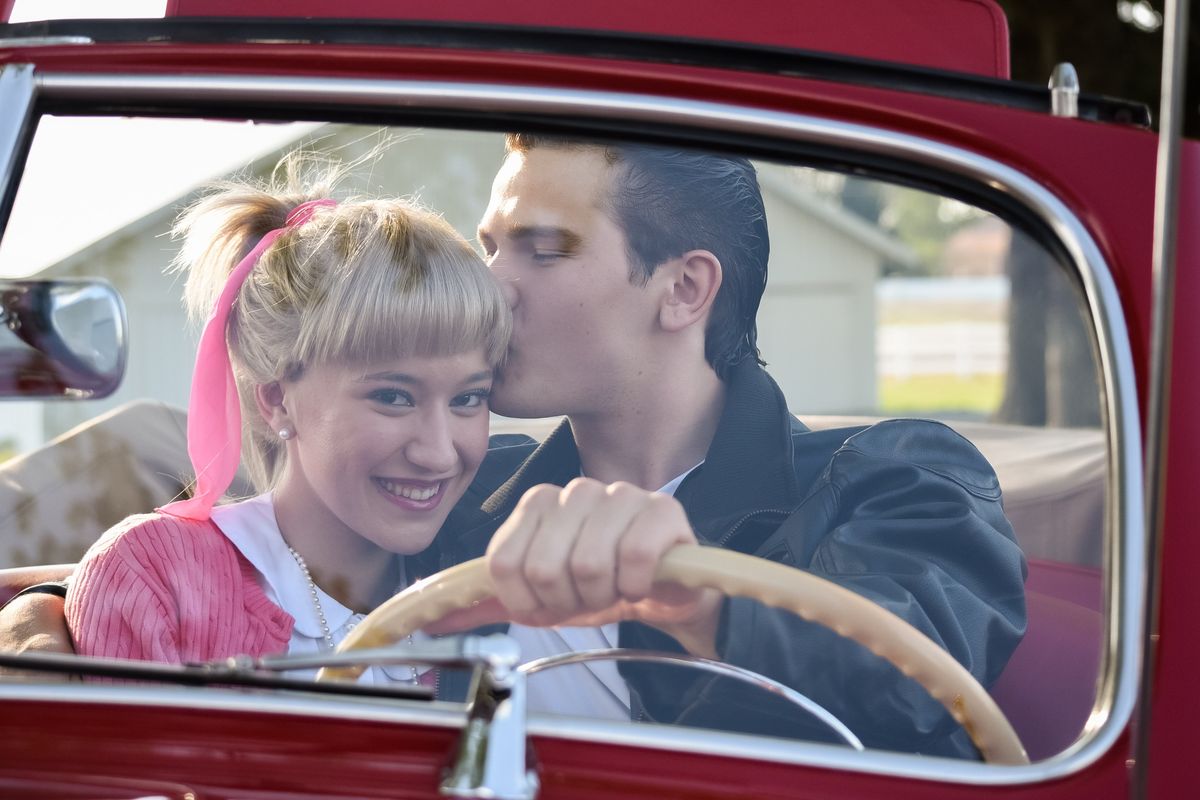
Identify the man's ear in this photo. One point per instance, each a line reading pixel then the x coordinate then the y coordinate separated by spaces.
pixel 694 279
pixel 268 397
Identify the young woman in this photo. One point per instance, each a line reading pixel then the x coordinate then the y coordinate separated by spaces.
pixel 347 358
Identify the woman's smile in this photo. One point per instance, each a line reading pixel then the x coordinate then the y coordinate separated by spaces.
pixel 412 494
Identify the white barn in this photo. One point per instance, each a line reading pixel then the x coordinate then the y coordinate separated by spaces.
pixel 824 268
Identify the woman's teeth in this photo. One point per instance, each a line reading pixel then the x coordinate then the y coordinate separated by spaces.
pixel 409 492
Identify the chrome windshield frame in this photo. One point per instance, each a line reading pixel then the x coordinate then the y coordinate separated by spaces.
pixel 1126 595
pixel 17 95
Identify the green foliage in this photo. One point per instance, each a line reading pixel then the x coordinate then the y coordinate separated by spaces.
pixel 921 220
pixel 924 222
pixel 935 395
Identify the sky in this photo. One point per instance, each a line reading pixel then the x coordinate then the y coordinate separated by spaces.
pixel 86 178
pixel 27 10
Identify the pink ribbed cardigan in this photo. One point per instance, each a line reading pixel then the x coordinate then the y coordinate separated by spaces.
pixel 161 588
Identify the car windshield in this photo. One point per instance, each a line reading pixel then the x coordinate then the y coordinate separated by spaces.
pixel 930 435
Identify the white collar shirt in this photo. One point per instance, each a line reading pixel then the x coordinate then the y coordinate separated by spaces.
pixel 251 526
pixel 593 689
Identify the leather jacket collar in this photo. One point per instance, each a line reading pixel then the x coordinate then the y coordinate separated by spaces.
pixel 748 468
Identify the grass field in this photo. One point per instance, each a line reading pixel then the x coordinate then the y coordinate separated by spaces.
pixel 911 312
pixel 934 394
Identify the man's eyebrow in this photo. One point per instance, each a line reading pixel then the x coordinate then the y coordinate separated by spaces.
pixel 566 238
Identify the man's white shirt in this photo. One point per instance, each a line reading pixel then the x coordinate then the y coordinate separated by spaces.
pixel 593 689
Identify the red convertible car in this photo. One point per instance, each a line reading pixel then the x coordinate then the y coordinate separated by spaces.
pixel 946 243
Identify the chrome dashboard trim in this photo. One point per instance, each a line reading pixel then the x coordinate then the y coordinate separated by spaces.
pixel 1164 267
pixel 1125 512
pixel 44 41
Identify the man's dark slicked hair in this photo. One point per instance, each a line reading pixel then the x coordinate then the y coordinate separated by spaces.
pixel 669 201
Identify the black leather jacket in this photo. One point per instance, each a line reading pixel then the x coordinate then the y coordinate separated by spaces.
pixel 904 512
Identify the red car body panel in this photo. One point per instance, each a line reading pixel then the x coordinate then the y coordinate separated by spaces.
pixel 1104 173
pixel 1175 703
pixel 232 754
pixel 956 35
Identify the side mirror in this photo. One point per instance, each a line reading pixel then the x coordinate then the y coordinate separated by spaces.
pixel 61 338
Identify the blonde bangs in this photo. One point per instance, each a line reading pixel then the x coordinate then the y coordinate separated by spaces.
pixel 412 288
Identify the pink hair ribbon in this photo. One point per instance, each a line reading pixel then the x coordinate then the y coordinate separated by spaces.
pixel 214 428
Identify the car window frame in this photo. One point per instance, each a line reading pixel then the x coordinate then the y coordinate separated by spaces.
pixel 761 133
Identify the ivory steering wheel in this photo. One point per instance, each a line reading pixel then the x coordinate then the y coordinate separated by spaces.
pixel 811 597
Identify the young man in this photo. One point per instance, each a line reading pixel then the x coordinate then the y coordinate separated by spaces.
pixel 635 275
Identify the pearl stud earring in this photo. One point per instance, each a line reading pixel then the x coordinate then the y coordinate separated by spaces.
pixel 285 433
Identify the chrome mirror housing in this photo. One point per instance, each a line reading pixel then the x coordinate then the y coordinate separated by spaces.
pixel 61 338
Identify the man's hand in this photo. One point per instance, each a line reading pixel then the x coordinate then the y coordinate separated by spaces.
pixel 586 554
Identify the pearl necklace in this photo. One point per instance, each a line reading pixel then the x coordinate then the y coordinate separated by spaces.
pixel 312 591
pixel 325 631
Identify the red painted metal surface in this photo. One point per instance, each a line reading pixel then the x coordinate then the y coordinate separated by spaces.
pixel 1175 705
pixel 960 35
pixel 225 754
pixel 220 754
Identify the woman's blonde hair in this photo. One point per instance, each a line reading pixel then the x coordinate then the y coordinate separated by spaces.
pixel 365 280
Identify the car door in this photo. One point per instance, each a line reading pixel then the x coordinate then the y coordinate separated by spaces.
pixel 1077 191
